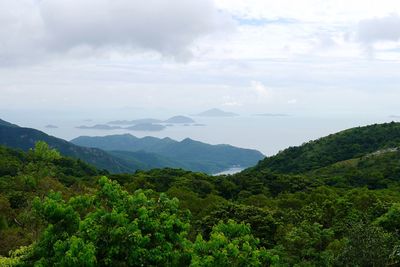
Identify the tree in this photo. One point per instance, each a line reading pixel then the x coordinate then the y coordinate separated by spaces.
pixel 109 228
pixel 44 152
pixel 367 245
pixel 230 244
pixel 115 228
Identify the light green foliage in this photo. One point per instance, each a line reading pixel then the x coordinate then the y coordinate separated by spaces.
pixel 114 229
pixel 230 244
pixel 43 151
pixel 16 257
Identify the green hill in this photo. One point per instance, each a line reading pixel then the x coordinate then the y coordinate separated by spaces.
pixel 6 123
pixel 189 154
pixel 343 214
pixel 25 139
pixel 348 144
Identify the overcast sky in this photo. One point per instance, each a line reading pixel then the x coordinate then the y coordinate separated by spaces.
pixel 249 56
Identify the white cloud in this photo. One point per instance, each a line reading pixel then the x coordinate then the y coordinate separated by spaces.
pixel 292 101
pixel 32 29
pixel 379 29
pixel 260 89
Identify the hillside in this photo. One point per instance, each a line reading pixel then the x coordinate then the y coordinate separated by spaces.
pixel 345 145
pixel 25 139
pixel 375 170
pixel 190 154
pixel 298 220
pixel 6 123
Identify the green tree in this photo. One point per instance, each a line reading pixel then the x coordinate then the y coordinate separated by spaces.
pixel 367 245
pixel 230 244
pixel 44 152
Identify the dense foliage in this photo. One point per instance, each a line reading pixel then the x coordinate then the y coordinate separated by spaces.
pixel 25 139
pixel 55 210
pixel 348 144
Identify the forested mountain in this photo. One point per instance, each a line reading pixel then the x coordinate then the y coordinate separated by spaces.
pixel 345 213
pixel 348 144
pixel 25 139
pixel 122 156
pixel 6 123
pixel 188 154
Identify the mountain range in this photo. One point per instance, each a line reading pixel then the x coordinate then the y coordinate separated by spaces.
pixel 188 154
pixel 126 153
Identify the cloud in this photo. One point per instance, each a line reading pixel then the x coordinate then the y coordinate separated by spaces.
pixel 379 29
pixel 260 89
pixel 292 101
pixel 33 29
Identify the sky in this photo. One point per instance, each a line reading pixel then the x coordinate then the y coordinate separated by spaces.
pixel 307 57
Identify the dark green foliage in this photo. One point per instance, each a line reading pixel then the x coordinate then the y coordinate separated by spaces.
pixel 345 213
pixel 26 138
pixel 260 220
pixel 366 245
pixel 352 143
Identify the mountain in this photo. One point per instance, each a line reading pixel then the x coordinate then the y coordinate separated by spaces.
pixel 345 145
pixel 6 123
pixel 216 113
pixel 150 121
pixel 179 119
pixel 190 154
pixel 343 214
pixel 145 160
pixel 25 139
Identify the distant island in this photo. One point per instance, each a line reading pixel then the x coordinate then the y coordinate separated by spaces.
pixel 394 116
pixel 173 120
pixel 51 126
pixel 99 127
pixel 214 112
pixel 179 119
pixel 134 122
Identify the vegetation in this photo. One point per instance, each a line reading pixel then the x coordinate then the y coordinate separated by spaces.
pixel 126 153
pixel 60 211
pixel 187 154
pixel 352 143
